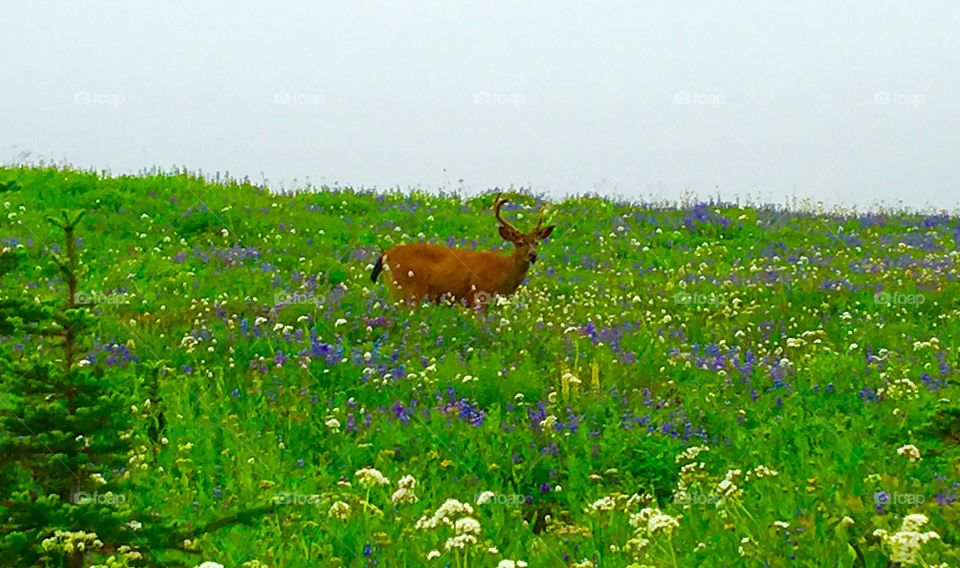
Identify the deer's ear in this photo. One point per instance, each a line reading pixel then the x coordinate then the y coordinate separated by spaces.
pixel 508 234
pixel 545 232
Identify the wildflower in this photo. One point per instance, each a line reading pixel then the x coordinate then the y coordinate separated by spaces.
pixel 404 493
pixel 605 503
pixel 691 453
pixel 467 525
pixel 761 471
pixel 910 451
pixel 333 424
pixel 370 477
pixel 506 563
pixel 652 521
pixel 407 482
pixel 209 564
pixel 485 496
pixel 905 544
pixel 339 510
pixel 460 541
pixel 450 508
pixel 433 554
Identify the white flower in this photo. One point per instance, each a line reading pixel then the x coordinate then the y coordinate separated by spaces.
pixel 761 471
pixel 605 503
pixel 370 477
pixel 485 496
pixel 450 508
pixel 460 541
pixel 433 554
pixel 507 563
pixel 339 510
pixel 404 495
pixel 333 424
pixel 910 451
pixel 691 453
pixel 905 544
pixel 467 525
pixel 652 521
pixel 913 522
pixel 209 564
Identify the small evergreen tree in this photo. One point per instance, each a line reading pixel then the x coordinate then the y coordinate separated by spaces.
pixel 62 496
pixel 66 438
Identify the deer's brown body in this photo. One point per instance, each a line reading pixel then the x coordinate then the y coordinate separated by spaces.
pixel 426 272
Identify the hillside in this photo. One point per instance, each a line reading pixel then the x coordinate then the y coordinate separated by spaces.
pixel 692 386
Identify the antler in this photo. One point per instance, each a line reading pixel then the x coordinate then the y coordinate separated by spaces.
pixel 497 204
pixel 539 219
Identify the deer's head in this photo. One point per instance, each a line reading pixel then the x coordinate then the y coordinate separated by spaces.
pixel 525 243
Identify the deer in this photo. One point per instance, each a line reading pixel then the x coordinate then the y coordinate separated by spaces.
pixel 426 272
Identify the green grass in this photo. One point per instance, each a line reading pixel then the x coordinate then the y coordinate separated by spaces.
pixel 761 333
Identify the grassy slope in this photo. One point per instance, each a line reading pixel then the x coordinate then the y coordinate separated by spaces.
pixel 755 332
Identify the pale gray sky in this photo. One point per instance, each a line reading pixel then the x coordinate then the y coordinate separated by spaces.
pixel 845 102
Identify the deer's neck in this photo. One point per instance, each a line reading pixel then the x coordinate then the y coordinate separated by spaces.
pixel 518 267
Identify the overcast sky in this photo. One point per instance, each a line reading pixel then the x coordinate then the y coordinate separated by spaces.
pixel 841 102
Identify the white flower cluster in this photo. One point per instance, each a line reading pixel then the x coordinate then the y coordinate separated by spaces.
pixel 691 453
pixel 370 477
pixel 904 545
pixel 485 496
pixel 910 451
pixel 69 542
pixel 647 524
pixel 728 487
pixel 405 492
pixel 761 471
pixel 603 504
pixel 900 389
pixel 467 529
pixel 651 521
pixel 339 510
pixel 456 515
pixel 450 508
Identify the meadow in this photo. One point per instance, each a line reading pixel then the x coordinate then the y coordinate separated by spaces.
pixel 705 384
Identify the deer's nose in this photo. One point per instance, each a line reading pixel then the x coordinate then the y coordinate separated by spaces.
pixel 533 257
